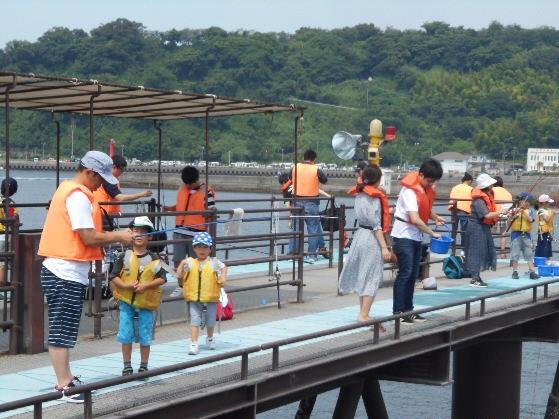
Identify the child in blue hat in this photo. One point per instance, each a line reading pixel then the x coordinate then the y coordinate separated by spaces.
pixel 201 279
pixel 521 245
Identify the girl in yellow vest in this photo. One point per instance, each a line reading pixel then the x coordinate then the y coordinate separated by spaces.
pixel 137 277
pixel 545 218
pixel 201 279
pixel 520 237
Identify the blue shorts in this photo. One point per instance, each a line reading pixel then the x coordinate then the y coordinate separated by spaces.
pixel 128 332
pixel 199 310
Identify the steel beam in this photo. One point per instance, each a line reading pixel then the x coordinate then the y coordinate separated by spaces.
pixel 305 408
pixel 347 400
pixel 552 411
pixel 373 400
pixel 487 380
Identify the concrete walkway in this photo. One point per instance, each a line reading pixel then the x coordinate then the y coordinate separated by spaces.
pixel 26 376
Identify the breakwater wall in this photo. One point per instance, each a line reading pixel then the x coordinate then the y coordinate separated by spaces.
pixel 235 179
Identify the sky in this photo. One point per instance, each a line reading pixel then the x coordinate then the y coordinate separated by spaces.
pixel 29 19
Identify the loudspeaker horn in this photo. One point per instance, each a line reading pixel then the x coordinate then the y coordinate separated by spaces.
pixel 345 144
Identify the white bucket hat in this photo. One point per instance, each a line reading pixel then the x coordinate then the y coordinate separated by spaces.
pixel 484 180
pixel 545 198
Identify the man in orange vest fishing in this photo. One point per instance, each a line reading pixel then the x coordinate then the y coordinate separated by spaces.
pixel 461 199
pixel 414 209
pixel 307 178
pixel 72 238
pixel 110 193
pixel 191 197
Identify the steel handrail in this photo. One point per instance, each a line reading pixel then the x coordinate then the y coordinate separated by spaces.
pixel 274 345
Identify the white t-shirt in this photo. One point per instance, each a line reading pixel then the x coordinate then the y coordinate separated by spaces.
pixel 80 211
pixel 407 201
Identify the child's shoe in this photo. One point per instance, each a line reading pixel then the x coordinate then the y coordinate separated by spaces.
pixel 210 343
pixel 127 371
pixel 515 275
pixel 534 275
pixel 142 369
pixel 193 349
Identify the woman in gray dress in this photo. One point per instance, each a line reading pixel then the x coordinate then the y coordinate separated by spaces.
pixel 363 269
pixel 478 246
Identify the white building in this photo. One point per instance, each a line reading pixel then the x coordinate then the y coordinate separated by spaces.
pixel 540 159
pixel 453 162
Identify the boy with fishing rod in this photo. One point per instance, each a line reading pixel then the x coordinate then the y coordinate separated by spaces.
pixel 201 279
pixel 545 218
pixel 137 277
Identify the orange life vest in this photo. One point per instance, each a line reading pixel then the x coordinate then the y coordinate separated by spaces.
pixel 501 194
pixel 196 201
pixel 101 195
pixel 58 240
pixel 385 205
pixel 489 201
pixel 425 196
pixel 306 182
pixel 462 191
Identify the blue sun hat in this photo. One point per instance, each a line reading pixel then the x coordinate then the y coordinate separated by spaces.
pixel 202 238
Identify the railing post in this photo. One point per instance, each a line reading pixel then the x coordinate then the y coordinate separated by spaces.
pixel 301 255
pixel 272 239
pixel 341 220
pixel 213 228
pixel 331 232
pixel 244 366
pixel 97 299
pixel 16 341
pixel 454 231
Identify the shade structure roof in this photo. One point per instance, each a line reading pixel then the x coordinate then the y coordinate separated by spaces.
pixel 59 94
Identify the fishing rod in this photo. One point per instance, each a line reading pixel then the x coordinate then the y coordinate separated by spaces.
pixel 513 217
pixel 186 228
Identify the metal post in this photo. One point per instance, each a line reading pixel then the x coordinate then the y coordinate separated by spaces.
pixel 552 411
pixel 271 251
pixel 341 221
pixel 331 232
pixel 16 341
pixel 301 255
pixel 157 125
pixel 373 400
pixel 487 380
pixel 213 229
pixel 57 150
pixel 97 299
pixel 454 221
pixel 305 408
pixel 207 147
pixel 91 138
pixel 347 401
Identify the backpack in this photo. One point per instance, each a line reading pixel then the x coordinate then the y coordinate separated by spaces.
pixel 453 267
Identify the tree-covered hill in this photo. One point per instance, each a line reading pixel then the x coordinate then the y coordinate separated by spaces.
pixel 493 91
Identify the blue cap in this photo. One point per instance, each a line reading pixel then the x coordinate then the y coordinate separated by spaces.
pixel 526 196
pixel 202 238
pixel 101 164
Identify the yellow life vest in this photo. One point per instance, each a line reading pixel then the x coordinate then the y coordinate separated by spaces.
pixel 11 211
pixel 522 222
pixel 201 284
pixel 462 191
pixel 132 272
pixel 543 225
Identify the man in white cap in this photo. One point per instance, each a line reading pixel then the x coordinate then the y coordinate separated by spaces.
pixel 545 218
pixel 71 240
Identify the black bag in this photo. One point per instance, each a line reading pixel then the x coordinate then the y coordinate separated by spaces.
pixel 326 222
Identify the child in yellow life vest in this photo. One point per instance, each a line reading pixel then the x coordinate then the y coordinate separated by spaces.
pixel 137 276
pixel 201 279
pixel 520 237
pixel 545 218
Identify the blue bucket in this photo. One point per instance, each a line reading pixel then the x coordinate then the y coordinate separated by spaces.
pixel 540 261
pixel 546 270
pixel 442 245
pixel 556 271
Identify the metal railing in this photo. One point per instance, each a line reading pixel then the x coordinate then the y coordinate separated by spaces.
pixel 11 290
pixel 274 346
